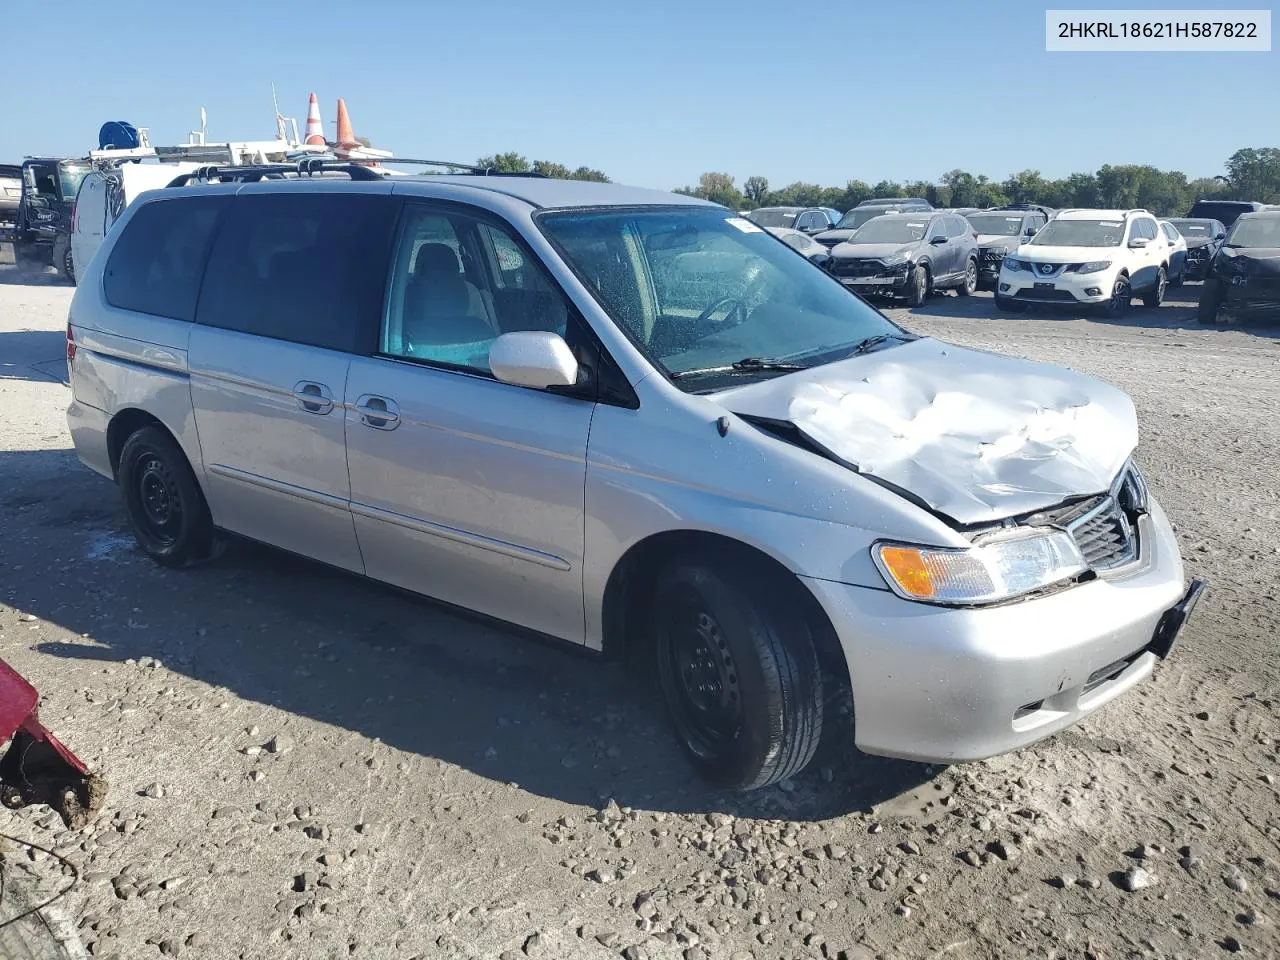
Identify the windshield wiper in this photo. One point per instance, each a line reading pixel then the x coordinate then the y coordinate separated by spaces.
pixel 745 365
pixel 869 344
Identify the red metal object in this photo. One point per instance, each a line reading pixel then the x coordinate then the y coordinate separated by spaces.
pixel 37 768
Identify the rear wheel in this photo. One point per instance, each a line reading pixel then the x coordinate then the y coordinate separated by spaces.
pixel 166 508
pixel 62 261
pixel 970 282
pixel 1155 296
pixel 917 286
pixel 739 673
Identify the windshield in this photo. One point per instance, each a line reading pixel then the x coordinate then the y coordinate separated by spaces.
pixel 1196 229
pixel 1080 233
pixel 69 177
pixel 856 218
pixel 696 289
pixel 1255 232
pixel 998 226
pixel 775 217
pixel 891 230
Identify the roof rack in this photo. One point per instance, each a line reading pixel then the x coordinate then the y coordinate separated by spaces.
pixel 307 167
pixel 470 168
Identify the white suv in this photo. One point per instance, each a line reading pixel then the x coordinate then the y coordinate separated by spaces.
pixel 1095 257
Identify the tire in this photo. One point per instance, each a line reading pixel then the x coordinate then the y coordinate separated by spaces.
pixel 738 671
pixel 1012 306
pixel 969 284
pixel 1181 278
pixel 1121 298
pixel 1210 301
pixel 917 286
pixel 62 260
pixel 1155 296
pixel 166 509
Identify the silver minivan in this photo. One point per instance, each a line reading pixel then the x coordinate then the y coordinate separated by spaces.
pixel 636 422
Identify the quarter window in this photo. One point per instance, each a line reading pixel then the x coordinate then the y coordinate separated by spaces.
pixel 155 266
pixel 304 267
pixel 458 283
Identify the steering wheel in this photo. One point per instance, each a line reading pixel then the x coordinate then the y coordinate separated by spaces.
pixel 736 307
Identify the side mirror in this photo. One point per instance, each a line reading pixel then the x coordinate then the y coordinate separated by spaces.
pixel 822 260
pixel 533 358
pixel 1031 231
pixel 937 240
pixel 1137 243
pixel 1220 236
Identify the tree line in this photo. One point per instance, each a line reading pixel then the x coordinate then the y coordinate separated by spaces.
pixel 1252 174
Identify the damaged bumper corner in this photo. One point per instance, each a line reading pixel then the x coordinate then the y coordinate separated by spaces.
pixel 37 768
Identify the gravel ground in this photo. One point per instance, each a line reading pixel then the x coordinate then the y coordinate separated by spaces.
pixel 305 764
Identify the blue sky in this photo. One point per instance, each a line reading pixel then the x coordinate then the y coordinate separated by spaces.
pixel 652 93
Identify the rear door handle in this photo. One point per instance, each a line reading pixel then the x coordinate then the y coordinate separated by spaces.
pixel 313 397
pixel 378 412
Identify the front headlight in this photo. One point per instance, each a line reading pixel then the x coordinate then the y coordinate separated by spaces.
pixel 1013 263
pixel 999 569
pixel 1093 266
pixel 896 260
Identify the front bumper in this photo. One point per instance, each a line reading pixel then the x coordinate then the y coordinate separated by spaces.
pixel 37 768
pixel 1198 269
pixel 886 284
pixel 1079 288
pixel 940 684
pixel 1258 298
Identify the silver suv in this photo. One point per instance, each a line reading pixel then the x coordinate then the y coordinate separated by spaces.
pixel 636 422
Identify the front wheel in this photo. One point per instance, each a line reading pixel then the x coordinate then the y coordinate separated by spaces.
pixel 970 282
pixel 1155 296
pixel 917 286
pixel 1121 296
pixel 166 508
pixel 739 674
pixel 1210 301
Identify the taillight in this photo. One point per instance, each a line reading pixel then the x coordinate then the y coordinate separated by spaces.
pixel 71 344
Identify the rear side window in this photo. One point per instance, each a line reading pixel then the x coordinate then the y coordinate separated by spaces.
pixel 155 266
pixel 304 267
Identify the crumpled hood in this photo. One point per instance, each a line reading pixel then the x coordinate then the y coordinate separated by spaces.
pixel 870 251
pixel 976 436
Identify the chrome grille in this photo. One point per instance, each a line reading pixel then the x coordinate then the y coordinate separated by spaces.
pixel 854 267
pixel 1105 536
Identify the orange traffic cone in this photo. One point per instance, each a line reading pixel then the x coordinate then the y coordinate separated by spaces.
pixel 346 136
pixel 315 128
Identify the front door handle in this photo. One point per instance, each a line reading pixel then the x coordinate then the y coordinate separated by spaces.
pixel 313 397
pixel 378 412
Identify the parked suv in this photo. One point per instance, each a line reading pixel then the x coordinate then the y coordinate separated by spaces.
pixel 1225 211
pixel 638 423
pixel 805 219
pixel 1099 258
pixel 1243 282
pixel 863 212
pixel 1000 233
pixel 909 255
pixel 1203 238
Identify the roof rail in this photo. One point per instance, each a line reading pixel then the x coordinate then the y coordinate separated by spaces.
pixel 307 167
pixel 470 168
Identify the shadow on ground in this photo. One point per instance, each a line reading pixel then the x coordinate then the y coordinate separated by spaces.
pixel 29 276
pixel 331 646
pixel 33 355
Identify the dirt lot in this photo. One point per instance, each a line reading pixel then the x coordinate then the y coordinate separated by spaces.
pixel 305 764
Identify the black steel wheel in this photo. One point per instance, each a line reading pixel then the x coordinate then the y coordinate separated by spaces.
pixel 739 674
pixel 166 509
